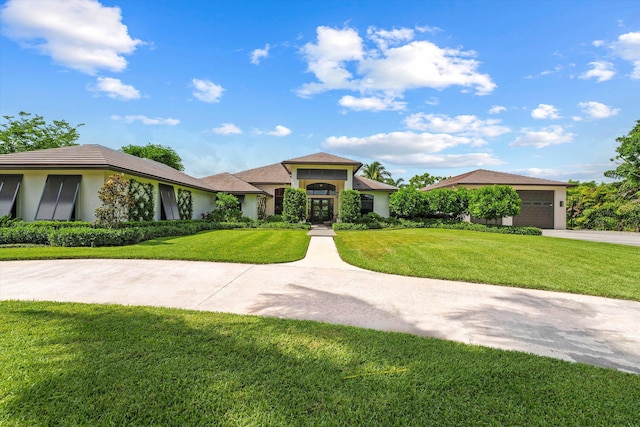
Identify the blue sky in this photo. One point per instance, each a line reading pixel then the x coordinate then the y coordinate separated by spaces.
pixel 540 88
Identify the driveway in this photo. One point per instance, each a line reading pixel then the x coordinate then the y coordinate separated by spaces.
pixel 593 330
pixel 618 237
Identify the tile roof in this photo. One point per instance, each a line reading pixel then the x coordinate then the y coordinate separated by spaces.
pixel 93 156
pixel 230 183
pixel 486 177
pixel 270 174
pixel 361 183
pixel 322 158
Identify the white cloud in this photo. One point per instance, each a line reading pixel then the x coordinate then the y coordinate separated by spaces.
pixel 598 43
pixel 433 100
pixel 114 88
pixel 340 60
pixel 147 120
pixel 443 161
pixel 468 125
pixel 207 91
pixel 581 172
pixel 627 47
pixel 279 131
pixel 601 71
pixel 258 54
pixel 82 34
pixel 597 110
pixel 371 103
pixel 227 129
pixel 552 135
pixel 545 111
pixel 497 109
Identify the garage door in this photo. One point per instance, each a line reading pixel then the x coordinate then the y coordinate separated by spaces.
pixel 536 209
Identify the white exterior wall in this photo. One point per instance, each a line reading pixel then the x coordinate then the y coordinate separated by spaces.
pixel 250 206
pixel 270 189
pixel 380 202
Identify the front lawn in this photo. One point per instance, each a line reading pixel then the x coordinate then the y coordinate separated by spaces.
pixel 254 246
pixel 77 364
pixel 565 265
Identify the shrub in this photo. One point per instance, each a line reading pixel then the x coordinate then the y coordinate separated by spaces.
pixel 25 235
pixel 93 237
pixel 447 203
pixel 294 205
pixel 185 204
pixel 349 206
pixel 143 206
pixel 227 209
pixel 116 201
pixel 408 202
pixel 493 202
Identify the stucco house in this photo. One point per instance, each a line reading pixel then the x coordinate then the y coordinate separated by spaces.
pixel 63 183
pixel 323 176
pixel 543 201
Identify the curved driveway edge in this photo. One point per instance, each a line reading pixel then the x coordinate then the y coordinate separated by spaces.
pixel 593 330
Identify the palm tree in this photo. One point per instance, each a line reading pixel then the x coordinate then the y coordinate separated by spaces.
pixel 375 171
pixel 395 182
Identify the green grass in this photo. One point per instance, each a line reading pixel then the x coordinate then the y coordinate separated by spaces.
pixel 94 365
pixel 244 246
pixel 565 265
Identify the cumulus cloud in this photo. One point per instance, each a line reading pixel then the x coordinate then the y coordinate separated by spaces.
pixel 371 103
pixel 545 111
pixel 627 47
pixel 600 70
pixel 597 110
pixel 114 88
pixel 82 34
pixel 395 63
pixel 497 109
pixel 552 135
pixel 207 91
pixel 147 120
pixel 227 129
pixel 258 54
pixel 279 131
pixel 468 125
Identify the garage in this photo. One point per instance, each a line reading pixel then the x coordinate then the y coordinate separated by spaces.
pixel 536 209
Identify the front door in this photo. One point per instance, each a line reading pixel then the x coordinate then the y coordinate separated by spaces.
pixel 321 210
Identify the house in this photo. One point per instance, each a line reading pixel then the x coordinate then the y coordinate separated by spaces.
pixel 63 183
pixel 323 176
pixel 543 201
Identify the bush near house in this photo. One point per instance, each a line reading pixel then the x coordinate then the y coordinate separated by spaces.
pixel 350 205
pixel 294 205
pixel 410 203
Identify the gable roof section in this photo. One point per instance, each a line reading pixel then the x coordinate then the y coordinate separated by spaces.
pixel 487 177
pixel 270 174
pixel 93 156
pixel 231 184
pixel 323 159
pixel 361 183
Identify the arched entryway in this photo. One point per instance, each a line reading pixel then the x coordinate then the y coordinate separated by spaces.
pixel 321 209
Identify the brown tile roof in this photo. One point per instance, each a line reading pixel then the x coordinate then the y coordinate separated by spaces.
pixel 229 183
pixel 361 183
pixel 271 174
pixel 486 177
pixel 93 156
pixel 323 158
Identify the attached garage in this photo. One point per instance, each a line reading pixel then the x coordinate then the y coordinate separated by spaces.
pixel 536 209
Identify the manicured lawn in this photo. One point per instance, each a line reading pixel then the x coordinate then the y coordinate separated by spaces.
pixel 245 246
pixel 75 364
pixel 524 261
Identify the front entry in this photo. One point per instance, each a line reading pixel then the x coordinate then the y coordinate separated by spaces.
pixel 321 210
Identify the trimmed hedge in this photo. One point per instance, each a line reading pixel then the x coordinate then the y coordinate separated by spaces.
pixel 377 223
pixel 25 235
pixel 94 237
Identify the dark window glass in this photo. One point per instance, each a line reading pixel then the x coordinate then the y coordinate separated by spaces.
pixel 278 201
pixel 9 186
pixel 321 189
pixel 168 205
pixel 329 174
pixel 58 201
pixel 366 203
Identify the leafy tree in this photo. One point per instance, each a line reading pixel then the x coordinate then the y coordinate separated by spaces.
pixel 628 160
pixel 421 181
pixel 227 208
pixel 375 171
pixel 116 201
pixel 350 205
pixel 408 203
pixel 28 133
pixel 294 205
pixel 447 203
pixel 159 153
pixel 395 182
pixel 493 202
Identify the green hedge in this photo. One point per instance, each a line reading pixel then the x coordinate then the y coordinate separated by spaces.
pixel 376 223
pixel 25 235
pixel 94 237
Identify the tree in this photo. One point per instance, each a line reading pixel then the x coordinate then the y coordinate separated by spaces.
pixel 493 202
pixel 116 201
pixel 32 133
pixel 375 171
pixel 349 206
pixel 628 160
pixel 421 181
pixel 408 203
pixel 227 208
pixel 294 205
pixel 395 182
pixel 157 152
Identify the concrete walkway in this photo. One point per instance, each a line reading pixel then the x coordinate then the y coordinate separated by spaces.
pixel 597 331
pixel 618 237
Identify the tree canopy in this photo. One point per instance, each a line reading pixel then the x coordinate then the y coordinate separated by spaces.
pixel 159 153
pixel 375 171
pixel 27 133
pixel 628 160
pixel 421 181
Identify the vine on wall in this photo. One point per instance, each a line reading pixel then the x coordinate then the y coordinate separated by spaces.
pixel 185 204
pixel 262 206
pixel 143 206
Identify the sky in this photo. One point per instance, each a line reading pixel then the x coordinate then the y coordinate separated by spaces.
pixel 539 88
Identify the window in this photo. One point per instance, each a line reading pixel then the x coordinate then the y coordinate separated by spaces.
pixel 168 205
pixel 58 201
pixel 366 203
pixel 9 186
pixel 278 201
pixel 321 189
pixel 329 174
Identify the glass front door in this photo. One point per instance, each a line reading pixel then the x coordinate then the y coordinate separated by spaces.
pixel 321 210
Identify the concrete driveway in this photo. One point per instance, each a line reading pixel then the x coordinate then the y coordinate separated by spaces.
pixel 597 331
pixel 618 237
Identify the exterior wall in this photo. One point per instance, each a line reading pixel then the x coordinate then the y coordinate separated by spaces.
pixel 250 206
pixel 380 202
pixel 87 201
pixel 271 189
